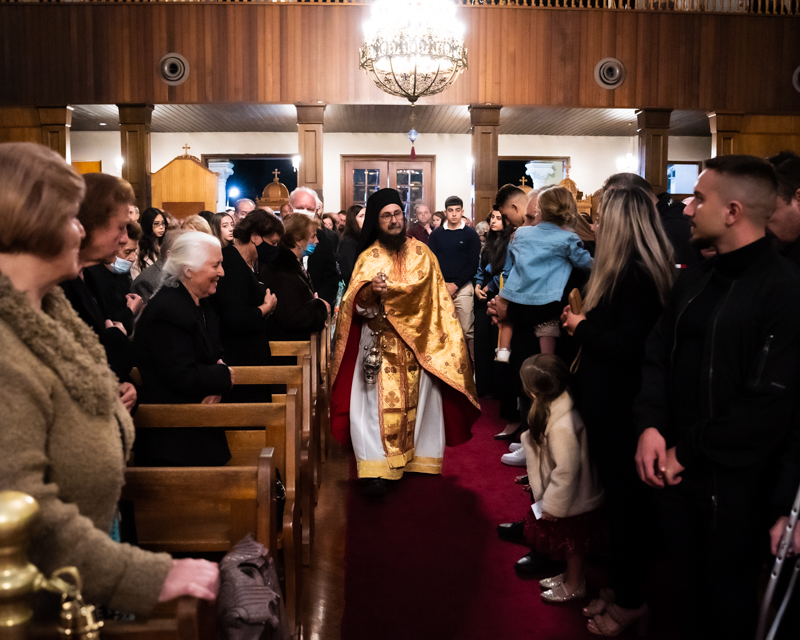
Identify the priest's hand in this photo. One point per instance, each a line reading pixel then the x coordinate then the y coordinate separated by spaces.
pixel 379 284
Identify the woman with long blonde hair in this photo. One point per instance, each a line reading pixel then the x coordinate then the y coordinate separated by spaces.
pixel 634 270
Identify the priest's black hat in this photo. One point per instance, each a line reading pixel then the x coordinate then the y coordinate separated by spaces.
pixel 376 202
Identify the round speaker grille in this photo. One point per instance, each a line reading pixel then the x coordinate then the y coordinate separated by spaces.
pixel 609 73
pixel 174 69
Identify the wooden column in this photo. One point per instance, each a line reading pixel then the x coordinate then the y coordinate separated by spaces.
pixel 56 123
pixel 654 146
pixel 485 122
pixel 20 124
pixel 310 120
pixel 725 128
pixel 134 125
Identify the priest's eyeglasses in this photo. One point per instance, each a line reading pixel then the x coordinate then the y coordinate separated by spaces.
pixel 398 215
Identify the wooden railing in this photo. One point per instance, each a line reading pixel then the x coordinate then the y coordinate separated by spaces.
pixel 761 7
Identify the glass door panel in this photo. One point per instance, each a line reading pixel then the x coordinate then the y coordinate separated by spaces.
pixel 412 181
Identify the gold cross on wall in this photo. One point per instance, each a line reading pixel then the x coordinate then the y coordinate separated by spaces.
pixel 186 148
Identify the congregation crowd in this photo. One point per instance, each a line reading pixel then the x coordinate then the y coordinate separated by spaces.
pixel 647 362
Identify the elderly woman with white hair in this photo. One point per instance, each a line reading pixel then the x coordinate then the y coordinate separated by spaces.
pixel 179 354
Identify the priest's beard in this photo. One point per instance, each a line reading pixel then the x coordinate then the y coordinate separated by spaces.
pixel 393 242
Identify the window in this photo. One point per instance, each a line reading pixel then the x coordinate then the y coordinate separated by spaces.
pixel 681 177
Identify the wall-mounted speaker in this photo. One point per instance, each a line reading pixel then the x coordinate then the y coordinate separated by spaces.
pixel 796 79
pixel 173 68
pixel 609 73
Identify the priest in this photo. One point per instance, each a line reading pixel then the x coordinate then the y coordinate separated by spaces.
pixel 402 380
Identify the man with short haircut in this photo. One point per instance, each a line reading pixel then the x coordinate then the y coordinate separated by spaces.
pixel 243 207
pixel 402 381
pixel 784 224
pixel 511 202
pixel 285 210
pixel 322 264
pixel 718 400
pixel 458 249
pixel 421 230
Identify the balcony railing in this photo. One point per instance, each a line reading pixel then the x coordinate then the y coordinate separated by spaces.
pixel 761 7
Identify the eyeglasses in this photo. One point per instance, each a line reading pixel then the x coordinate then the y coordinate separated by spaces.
pixel 159 224
pixel 399 215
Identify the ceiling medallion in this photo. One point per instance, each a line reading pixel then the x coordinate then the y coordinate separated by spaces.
pixel 413 48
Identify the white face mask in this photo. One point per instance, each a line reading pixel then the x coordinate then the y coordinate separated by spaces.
pixel 121 266
pixel 305 212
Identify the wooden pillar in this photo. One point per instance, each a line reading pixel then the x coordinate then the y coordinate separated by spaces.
pixel 654 146
pixel 134 125
pixel 56 123
pixel 725 128
pixel 20 124
pixel 310 120
pixel 485 122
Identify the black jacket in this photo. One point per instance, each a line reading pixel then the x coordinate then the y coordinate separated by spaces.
pixel 749 371
pixel 119 350
pixel 322 266
pixel 243 330
pixel 612 340
pixel 678 229
pixel 110 290
pixel 177 346
pixel 348 254
pixel 298 314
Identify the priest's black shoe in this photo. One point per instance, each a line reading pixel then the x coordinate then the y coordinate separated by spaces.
pixel 533 564
pixel 511 531
pixel 373 487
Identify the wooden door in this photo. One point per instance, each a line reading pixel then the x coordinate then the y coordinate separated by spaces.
pixel 364 175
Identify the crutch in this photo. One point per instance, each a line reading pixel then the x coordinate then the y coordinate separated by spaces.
pixel 786 539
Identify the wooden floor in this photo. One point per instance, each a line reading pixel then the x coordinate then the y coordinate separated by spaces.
pixel 324 579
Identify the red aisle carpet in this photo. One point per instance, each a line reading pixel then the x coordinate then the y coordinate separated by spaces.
pixel 426 563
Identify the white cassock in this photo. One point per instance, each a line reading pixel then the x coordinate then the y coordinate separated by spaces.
pixel 365 431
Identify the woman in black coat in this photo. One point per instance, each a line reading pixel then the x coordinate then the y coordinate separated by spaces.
pixel 348 247
pixel 179 355
pixel 632 275
pixel 299 312
pixel 242 303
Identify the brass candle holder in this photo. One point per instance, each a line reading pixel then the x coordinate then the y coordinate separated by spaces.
pixel 19 578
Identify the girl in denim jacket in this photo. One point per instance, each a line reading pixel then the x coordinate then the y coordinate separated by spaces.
pixel 542 258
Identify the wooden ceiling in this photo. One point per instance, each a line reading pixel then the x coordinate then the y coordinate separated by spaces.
pixel 242 118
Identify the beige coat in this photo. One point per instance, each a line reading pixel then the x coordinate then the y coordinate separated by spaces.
pixel 64 439
pixel 562 477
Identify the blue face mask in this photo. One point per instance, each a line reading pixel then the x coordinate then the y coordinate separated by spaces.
pixel 309 249
pixel 121 266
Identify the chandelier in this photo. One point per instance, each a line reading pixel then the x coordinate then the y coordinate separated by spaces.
pixel 413 48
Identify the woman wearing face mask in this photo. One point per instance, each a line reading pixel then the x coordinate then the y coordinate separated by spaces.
pixel 242 303
pixel 300 312
pixel 110 283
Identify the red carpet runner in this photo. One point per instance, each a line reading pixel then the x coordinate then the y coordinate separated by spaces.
pixel 425 562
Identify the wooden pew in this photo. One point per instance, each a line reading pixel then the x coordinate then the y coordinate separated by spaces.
pixel 201 509
pixel 298 378
pixel 298 349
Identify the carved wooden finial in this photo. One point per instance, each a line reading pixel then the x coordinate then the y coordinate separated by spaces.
pixel 186 148
pixel 276 173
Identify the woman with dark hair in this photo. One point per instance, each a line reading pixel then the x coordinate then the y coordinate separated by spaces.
pixel 487 285
pixel 300 312
pixel 329 222
pixel 242 303
pixel 222 225
pixel 154 226
pixel 437 219
pixel 66 435
pixel 348 247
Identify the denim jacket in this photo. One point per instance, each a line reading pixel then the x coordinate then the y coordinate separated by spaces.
pixel 542 258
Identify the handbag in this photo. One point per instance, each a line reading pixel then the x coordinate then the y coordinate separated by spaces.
pixel 576 306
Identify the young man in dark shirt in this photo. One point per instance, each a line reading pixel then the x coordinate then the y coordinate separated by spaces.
pixel 457 247
pixel 716 410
